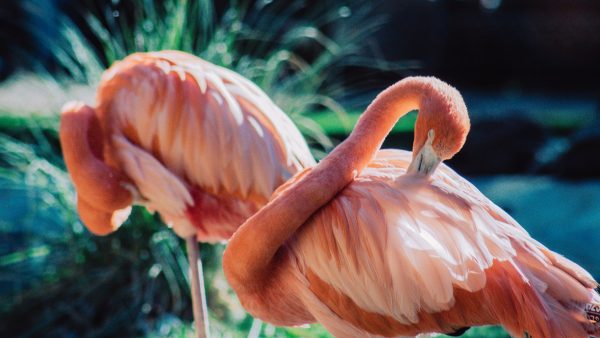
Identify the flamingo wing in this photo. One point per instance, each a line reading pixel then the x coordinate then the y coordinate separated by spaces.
pixel 187 131
pixel 398 249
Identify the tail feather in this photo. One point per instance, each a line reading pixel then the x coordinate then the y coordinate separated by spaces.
pixel 549 297
pixel 571 268
pixel 527 312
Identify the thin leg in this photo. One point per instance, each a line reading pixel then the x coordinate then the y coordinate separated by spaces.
pixel 197 287
pixel 255 328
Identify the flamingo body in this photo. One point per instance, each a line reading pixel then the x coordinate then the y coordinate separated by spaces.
pixel 395 255
pixel 198 143
pixel 202 145
pixel 388 247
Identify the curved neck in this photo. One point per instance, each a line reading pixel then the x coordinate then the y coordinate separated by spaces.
pixel 81 141
pixel 249 255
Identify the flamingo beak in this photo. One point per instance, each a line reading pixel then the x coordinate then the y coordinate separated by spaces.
pixel 101 222
pixel 426 160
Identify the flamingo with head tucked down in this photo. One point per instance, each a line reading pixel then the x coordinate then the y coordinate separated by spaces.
pixel 198 143
pixel 388 243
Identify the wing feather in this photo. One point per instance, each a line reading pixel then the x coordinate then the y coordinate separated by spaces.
pixel 397 245
pixel 205 124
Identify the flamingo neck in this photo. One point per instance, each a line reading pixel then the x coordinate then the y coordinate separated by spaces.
pixel 100 190
pixel 246 262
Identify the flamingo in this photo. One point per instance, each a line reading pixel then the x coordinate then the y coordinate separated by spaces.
pixel 199 144
pixel 392 243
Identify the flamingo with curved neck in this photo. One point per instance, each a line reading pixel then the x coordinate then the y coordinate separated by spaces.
pixel 382 243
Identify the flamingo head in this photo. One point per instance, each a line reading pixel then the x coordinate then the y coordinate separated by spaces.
pixel 440 131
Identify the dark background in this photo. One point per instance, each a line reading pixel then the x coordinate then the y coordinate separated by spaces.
pixel 489 44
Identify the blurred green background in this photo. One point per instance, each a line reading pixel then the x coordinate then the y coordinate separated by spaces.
pixel 528 71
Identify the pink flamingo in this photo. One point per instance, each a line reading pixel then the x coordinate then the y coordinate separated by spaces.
pixel 198 143
pixel 381 243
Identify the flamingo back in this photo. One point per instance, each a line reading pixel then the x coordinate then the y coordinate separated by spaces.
pixel 196 139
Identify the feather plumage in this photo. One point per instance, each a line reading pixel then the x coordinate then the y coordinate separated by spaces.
pixel 204 146
pixel 407 244
pixel 381 243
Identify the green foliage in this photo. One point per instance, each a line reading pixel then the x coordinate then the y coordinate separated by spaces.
pixel 336 125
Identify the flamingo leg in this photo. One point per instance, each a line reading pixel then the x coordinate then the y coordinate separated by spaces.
pixel 197 288
pixel 255 328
